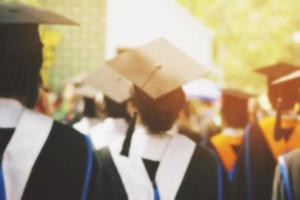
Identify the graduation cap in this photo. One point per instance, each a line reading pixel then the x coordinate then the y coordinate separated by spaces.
pixel 156 68
pixel 86 91
pixel 275 72
pixel 294 76
pixel 289 78
pixel 16 13
pixel 235 107
pixel 110 82
pixel 19 36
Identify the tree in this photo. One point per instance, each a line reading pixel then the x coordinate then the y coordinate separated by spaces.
pixel 252 34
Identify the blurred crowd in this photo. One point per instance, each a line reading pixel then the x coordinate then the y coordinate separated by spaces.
pixel 146 125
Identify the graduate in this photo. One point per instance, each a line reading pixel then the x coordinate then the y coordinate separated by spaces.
pixel 227 144
pixel 116 90
pixel 287 180
pixel 113 126
pixel 267 139
pixel 40 158
pixel 199 117
pixel 154 162
pixel 89 115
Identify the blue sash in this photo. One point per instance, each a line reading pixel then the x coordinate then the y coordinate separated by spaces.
pixel 88 168
pixel 156 192
pixel 2 188
pixel 220 181
pixel 219 177
pixel 231 173
pixel 285 178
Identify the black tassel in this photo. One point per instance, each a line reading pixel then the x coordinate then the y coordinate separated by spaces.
pixel 278 131
pixel 129 133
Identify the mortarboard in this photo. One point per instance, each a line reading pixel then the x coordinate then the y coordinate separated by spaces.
pixel 19 36
pixel 157 68
pixel 294 79
pixel 86 91
pixel 110 82
pixel 294 76
pixel 16 13
pixel 277 70
pixel 275 73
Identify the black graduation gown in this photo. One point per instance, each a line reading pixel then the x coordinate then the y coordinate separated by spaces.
pixel 200 180
pixel 253 179
pixel 59 171
pixel 226 180
pixel 292 169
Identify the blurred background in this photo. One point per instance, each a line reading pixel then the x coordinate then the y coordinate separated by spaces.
pixel 231 37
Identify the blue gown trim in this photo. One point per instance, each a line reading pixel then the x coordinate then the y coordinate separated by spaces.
pixel 88 168
pixel 219 176
pixel 248 163
pixel 156 192
pixel 285 178
pixel 2 186
pixel 231 173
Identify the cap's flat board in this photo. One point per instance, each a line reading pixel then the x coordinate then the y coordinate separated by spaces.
pixel 290 77
pixel 15 13
pixel 111 83
pixel 157 68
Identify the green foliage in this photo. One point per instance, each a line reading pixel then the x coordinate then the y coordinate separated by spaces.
pixel 251 34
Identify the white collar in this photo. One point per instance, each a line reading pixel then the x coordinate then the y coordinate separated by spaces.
pixel 10 112
pixel 233 131
pixel 170 173
pixel 143 142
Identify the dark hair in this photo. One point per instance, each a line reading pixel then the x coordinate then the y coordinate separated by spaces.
pixel 20 62
pixel 90 108
pixel 116 110
pixel 21 81
pixel 288 92
pixel 159 115
pixel 234 112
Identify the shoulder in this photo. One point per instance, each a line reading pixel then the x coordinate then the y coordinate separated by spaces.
pixel 66 131
pixel 292 159
pixel 103 155
pixel 254 130
pixel 61 136
pixel 67 139
pixel 205 154
pixel 201 152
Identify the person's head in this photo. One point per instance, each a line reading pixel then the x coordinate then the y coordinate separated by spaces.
pixel 116 110
pixel 234 109
pixel 20 63
pixel 90 108
pixel 287 92
pixel 159 115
